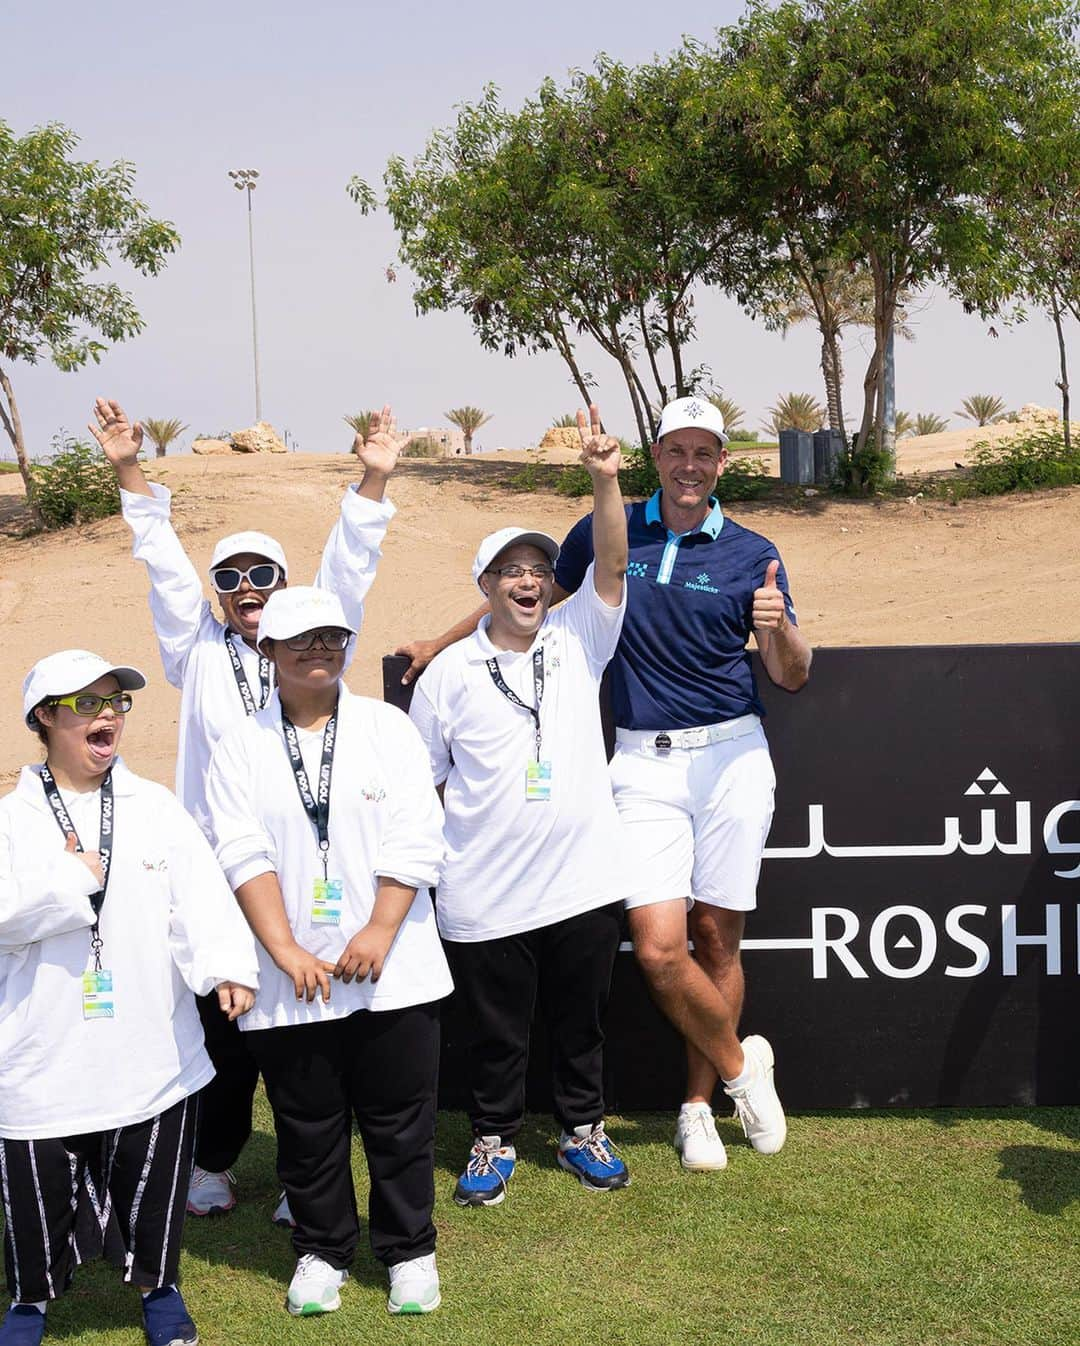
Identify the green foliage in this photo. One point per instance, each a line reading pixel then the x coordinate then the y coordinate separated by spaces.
pixel 422 446
pixel 468 420
pixel 743 436
pixel 161 433
pixel 796 411
pixel 74 485
pixel 982 408
pixel 929 423
pixel 361 422
pixel 729 409
pixel 1025 462
pixel 863 471
pixel 567 422
pixel 905 424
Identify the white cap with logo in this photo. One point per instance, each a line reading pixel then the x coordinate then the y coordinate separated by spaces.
pixel 70 671
pixel 498 542
pixel 257 544
pixel 288 612
pixel 686 413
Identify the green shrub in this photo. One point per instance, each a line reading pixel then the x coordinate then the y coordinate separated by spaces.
pixel 422 447
pixel 863 471
pixel 1020 463
pixel 742 436
pixel 74 485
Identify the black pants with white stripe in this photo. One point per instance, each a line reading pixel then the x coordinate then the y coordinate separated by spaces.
pixel 381 1068
pixel 568 965
pixel 64 1199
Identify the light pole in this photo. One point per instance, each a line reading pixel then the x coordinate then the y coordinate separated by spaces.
pixel 244 181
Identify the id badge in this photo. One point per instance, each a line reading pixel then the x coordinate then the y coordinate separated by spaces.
pixel 326 902
pixel 97 995
pixel 538 782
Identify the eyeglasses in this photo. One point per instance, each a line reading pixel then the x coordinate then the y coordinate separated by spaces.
pixel 332 639
pixel 227 579
pixel 540 572
pixel 87 703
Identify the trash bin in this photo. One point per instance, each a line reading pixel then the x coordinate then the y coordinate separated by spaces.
pixel 828 446
pixel 796 457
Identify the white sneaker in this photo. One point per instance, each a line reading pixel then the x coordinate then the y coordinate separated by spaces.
pixel 282 1215
pixel 210 1193
pixel 700 1149
pixel 414 1286
pixel 314 1287
pixel 756 1104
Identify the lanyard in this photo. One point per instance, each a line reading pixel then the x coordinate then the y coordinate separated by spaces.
pixel 105 844
pixel 241 677
pixel 511 696
pixel 317 808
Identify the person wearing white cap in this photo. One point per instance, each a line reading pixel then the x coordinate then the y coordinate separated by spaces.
pixel 222 677
pixel 112 912
pixel 530 899
pixel 329 829
pixel 691 774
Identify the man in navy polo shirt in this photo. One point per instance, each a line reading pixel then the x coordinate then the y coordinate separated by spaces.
pixel 692 775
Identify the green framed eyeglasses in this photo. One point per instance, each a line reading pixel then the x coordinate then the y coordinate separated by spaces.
pixel 89 703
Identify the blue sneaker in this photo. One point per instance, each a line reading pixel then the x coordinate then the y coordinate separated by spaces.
pixel 23 1325
pixel 166 1319
pixel 490 1168
pixel 591 1157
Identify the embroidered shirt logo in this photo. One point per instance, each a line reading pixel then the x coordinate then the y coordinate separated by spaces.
pixel 156 866
pixel 374 794
pixel 637 569
pixel 701 584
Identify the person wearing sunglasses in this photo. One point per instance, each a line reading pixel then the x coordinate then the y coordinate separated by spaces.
pixel 223 678
pixel 330 832
pixel 112 912
pixel 529 903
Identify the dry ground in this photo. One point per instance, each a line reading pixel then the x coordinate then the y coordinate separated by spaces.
pixel 863 573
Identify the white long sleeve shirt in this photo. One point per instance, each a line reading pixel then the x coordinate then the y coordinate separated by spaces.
pixel 169 927
pixel 385 820
pixel 191 638
pixel 514 864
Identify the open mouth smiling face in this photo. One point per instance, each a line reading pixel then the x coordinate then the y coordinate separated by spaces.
pixel 243 607
pixel 522 601
pixel 86 744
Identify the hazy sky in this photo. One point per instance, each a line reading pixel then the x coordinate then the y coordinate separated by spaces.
pixel 310 94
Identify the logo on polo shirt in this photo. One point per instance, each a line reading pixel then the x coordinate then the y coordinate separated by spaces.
pixel 374 794
pixel 637 569
pixel 701 584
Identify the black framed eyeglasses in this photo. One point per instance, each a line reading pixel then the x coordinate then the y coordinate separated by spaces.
pixel 540 572
pixel 90 704
pixel 332 639
pixel 265 575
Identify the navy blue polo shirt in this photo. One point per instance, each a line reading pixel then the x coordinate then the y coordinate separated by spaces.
pixel 682 659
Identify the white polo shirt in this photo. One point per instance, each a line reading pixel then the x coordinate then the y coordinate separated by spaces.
pixel 191 638
pixel 169 927
pixel 514 864
pixel 385 819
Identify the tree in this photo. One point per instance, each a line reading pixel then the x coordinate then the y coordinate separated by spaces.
pixel 162 433
pixel 796 411
pixel 982 408
pixel 929 423
pixel 361 422
pixel 64 222
pixel 875 132
pixel 565 422
pixel 575 219
pixel 468 420
pixel 905 424
pixel 732 413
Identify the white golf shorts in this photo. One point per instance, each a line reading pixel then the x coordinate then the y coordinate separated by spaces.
pixel 695 820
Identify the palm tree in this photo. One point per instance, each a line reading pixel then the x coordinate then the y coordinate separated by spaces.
pixel 905 424
pixel 362 422
pixel 162 433
pixel 567 422
pixel 729 409
pixel 796 411
pixel 982 408
pixel 468 420
pixel 930 423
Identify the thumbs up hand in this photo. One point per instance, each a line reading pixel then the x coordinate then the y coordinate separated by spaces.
pixel 769 613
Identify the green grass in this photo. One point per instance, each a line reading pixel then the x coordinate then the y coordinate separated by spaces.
pixel 869 1229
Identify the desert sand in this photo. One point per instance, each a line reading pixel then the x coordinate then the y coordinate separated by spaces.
pixel 863 573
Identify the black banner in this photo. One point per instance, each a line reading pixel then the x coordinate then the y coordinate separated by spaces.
pixel 916 939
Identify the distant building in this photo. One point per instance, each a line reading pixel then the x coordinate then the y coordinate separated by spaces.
pixel 451 441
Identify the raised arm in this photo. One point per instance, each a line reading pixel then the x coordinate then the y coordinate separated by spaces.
pixel 353 548
pixel 177 605
pixel 785 651
pixel 601 457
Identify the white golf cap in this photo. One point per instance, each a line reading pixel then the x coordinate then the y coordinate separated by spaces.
pixel 692 412
pixel 288 612
pixel 495 543
pixel 70 671
pixel 258 544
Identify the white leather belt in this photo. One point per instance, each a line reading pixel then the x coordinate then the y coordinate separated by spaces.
pixel 661 741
